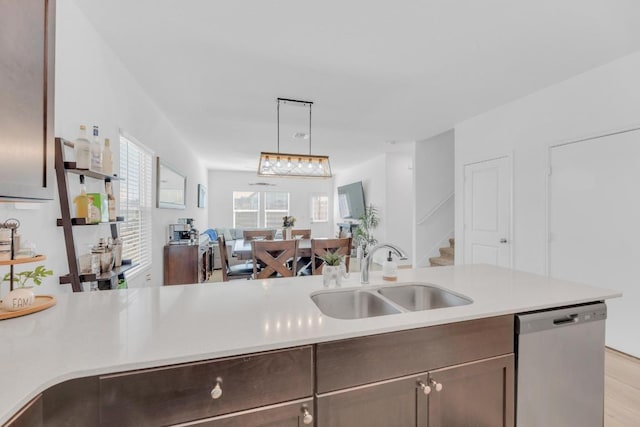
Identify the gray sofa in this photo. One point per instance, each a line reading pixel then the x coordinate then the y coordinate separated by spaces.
pixel 230 236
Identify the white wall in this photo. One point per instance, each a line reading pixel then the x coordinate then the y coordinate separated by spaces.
pixel 222 184
pixel 604 99
pixel 433 194
pixel 400 202
pixel 94 87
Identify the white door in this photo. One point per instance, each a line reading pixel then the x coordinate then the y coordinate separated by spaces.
pixel 487 212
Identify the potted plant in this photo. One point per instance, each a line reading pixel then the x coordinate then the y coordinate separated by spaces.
pixel 287 224
pixel 22 296
pixel 364 238
pixel 333 268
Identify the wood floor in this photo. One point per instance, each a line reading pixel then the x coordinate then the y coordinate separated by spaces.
pixel 621 390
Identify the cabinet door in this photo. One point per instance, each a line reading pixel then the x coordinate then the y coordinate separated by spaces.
pixel 181 264
pixel 29 416
pixel 477 394
pixel 397 403
pixel 291 414
pixel 27 40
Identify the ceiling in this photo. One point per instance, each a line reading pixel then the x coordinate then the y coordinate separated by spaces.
pixel 377 71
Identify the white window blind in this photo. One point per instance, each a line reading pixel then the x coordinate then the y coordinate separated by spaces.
pixel 319 208
pixel 246 206
pixel 276 206
pixel 136 168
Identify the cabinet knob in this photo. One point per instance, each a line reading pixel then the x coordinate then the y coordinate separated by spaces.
pixel 216 393
pixel 436 385
pixel 307 418
pixel 425 388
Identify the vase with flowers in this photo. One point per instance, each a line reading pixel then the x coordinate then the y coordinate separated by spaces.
pixel 22 296
pixel 287 224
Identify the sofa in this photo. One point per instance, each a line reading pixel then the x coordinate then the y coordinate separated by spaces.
pixel 230 236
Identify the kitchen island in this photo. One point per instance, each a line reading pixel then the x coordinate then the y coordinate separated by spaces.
pixel 105 333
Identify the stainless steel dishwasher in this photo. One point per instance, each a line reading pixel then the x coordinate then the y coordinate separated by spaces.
pixel 560 367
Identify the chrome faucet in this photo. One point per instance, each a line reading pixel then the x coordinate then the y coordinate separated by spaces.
pixel 364 268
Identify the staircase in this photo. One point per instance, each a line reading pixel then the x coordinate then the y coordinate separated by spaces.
pixel 446 255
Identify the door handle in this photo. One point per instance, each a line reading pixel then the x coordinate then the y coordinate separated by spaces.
pixel 503 240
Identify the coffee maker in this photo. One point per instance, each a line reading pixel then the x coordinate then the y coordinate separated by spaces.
pixel 179 234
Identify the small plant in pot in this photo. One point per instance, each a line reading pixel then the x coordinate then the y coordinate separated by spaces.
pixel 22 296
pixel 333 268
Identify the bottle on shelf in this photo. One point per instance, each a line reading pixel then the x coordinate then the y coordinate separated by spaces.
pixel 82 149
pixel 107 158
pixel 82 201
pixel 96 151
pixel 111 200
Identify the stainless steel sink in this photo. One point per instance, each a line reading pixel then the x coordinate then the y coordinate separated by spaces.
pixel 416 297
pixel 352 304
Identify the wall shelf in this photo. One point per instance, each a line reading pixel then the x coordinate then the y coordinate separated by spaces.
pixel 36 258
pixel 83 221
pixel 105 280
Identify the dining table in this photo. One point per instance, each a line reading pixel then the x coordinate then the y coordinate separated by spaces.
pixel 242 248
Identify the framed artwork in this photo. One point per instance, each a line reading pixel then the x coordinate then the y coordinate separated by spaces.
pixel 202 196
pixel 171 187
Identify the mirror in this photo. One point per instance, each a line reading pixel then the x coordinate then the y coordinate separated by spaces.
pixel 171 187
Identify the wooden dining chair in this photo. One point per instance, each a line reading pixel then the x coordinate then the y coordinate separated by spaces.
pixel 240 271
pixel 276 258
pixel 304 233
pixel 249 235
pixel 319 247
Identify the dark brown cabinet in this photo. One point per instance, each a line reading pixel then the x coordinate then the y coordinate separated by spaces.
pixel 397 403
pixel 474 394
pixel 186 264
pixel 294 414
pixel 193 391
pixel 27 42
pixel 29 416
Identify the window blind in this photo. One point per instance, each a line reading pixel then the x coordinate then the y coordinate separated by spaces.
pixel 136 167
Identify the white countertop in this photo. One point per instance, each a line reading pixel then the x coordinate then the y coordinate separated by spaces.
pixel 101 332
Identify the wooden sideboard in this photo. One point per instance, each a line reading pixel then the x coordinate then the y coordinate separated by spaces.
pixel 185 264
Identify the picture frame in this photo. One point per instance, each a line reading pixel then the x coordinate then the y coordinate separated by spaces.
pixel 202 196
pixel 171 187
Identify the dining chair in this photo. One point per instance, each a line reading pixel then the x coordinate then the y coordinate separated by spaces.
pixel 240 271
pixel 276 258
pixel 319 247
pixel 304 233
pixel 258 234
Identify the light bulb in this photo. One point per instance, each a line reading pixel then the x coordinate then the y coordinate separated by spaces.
pixel 266 162
pixel 319 164
pixel 278 162
pixel 299 162
pixel 310 165
pixel 289 162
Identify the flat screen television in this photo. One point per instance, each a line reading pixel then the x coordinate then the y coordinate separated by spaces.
pixel 351 200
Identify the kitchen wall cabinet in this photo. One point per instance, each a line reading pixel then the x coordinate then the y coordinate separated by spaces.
pixel 27 43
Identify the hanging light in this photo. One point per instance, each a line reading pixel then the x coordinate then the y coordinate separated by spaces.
pixel 268 168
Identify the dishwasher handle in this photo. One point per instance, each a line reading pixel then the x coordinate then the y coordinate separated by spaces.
pixel 571 318
pixel 527 323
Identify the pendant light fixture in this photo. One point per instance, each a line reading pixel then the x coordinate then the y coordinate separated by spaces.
pixel 296 165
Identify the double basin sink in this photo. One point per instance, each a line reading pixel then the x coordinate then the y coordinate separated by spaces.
pixel 383 300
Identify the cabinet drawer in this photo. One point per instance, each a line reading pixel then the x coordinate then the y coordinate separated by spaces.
pixel 181 393
pixel 352 362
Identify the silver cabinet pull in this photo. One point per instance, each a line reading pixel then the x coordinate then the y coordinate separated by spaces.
pixel 436 385
pixel 216 392
pixel 425 388
pixel 307 418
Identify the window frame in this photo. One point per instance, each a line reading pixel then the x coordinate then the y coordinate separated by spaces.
pixel 234 210
pixel 266 211
pixel 313 197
